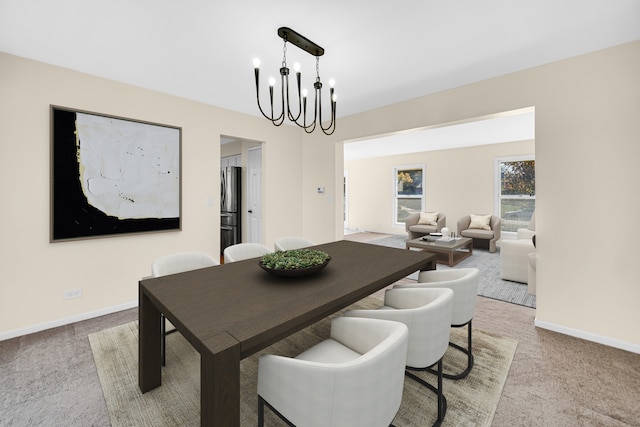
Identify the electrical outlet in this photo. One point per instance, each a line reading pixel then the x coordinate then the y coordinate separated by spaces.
pixel 73 293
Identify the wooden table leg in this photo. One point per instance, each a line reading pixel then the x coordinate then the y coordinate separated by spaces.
pixel 220 382
pixel 149 357
pixel 431 265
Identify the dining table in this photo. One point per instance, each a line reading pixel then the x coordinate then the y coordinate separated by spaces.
pixel 231 311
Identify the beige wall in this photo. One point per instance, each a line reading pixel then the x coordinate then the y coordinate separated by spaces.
pixel 587 133
pixel 457 182
pixel 587 149
pixel 231 149
pixel 33 272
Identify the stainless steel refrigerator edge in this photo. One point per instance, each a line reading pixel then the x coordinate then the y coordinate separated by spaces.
pixel 230 205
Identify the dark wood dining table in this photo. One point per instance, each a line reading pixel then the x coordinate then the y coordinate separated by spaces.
pixel 231 311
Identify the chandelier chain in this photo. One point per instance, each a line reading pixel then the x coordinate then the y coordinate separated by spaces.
pixel 284 53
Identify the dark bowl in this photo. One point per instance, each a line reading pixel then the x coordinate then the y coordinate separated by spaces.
pixel 297 272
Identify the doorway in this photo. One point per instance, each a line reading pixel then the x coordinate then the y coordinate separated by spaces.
pixel 246 154
pixel 367 159
pixel 254 195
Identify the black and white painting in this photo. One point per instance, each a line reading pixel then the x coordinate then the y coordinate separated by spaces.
pixel 112 175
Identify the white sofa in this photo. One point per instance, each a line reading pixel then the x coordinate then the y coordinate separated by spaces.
pixel 533 260
pixel 514 254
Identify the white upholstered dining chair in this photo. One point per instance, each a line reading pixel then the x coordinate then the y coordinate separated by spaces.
pixel 242 251
pixel 355 378
pixel 292 242
pixel 177 263
pixel 427 312
pixel 180 262
pixel 464 282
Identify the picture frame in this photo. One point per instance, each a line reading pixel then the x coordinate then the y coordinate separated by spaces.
pixel 112 175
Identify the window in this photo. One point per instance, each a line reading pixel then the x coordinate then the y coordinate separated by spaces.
pixel 409 185
pixel 516 191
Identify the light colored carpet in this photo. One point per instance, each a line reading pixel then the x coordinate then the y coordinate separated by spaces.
pixel 491 285
pixel 471 401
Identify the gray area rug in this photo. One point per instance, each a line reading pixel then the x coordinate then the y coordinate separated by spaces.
pixel 471 402
pixel 491 285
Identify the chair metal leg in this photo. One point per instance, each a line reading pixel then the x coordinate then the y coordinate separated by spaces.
pixel 261 404
pixel 442 400
pixel 260 411
pixel 163 341
pixel 467 351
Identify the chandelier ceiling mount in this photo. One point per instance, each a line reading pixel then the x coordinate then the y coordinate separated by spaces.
pixel 289 35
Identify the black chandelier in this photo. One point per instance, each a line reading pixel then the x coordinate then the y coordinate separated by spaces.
pixel 288 35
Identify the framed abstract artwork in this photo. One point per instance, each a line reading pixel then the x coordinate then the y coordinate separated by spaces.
pixel 112 176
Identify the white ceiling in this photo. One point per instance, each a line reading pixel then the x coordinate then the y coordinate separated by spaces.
pixel 509 126
pixel 379 53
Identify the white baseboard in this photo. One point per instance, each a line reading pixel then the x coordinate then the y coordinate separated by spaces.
pixel 67 320
pixel 623 345
pixel 600 339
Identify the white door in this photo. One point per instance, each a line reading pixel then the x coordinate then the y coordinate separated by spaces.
pixel 254 195
pixel 345 200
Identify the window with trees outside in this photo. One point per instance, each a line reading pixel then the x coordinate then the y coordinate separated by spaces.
pixel 408 191
pixel 516 191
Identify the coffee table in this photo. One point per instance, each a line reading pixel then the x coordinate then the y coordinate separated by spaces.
pixel 449 253
pixel 231 311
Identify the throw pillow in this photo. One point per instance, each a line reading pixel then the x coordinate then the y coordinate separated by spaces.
pixel 428 218
pixel 481 222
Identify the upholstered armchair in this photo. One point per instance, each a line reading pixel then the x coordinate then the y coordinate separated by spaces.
pixel 428 314
pixel 533 260
pixel 481 228
pixel 465 283
pixel 514 256
pixel 354 378
pixel 422 223
pixel 514 259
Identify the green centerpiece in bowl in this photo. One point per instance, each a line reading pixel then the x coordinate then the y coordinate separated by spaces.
pixel 295 262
